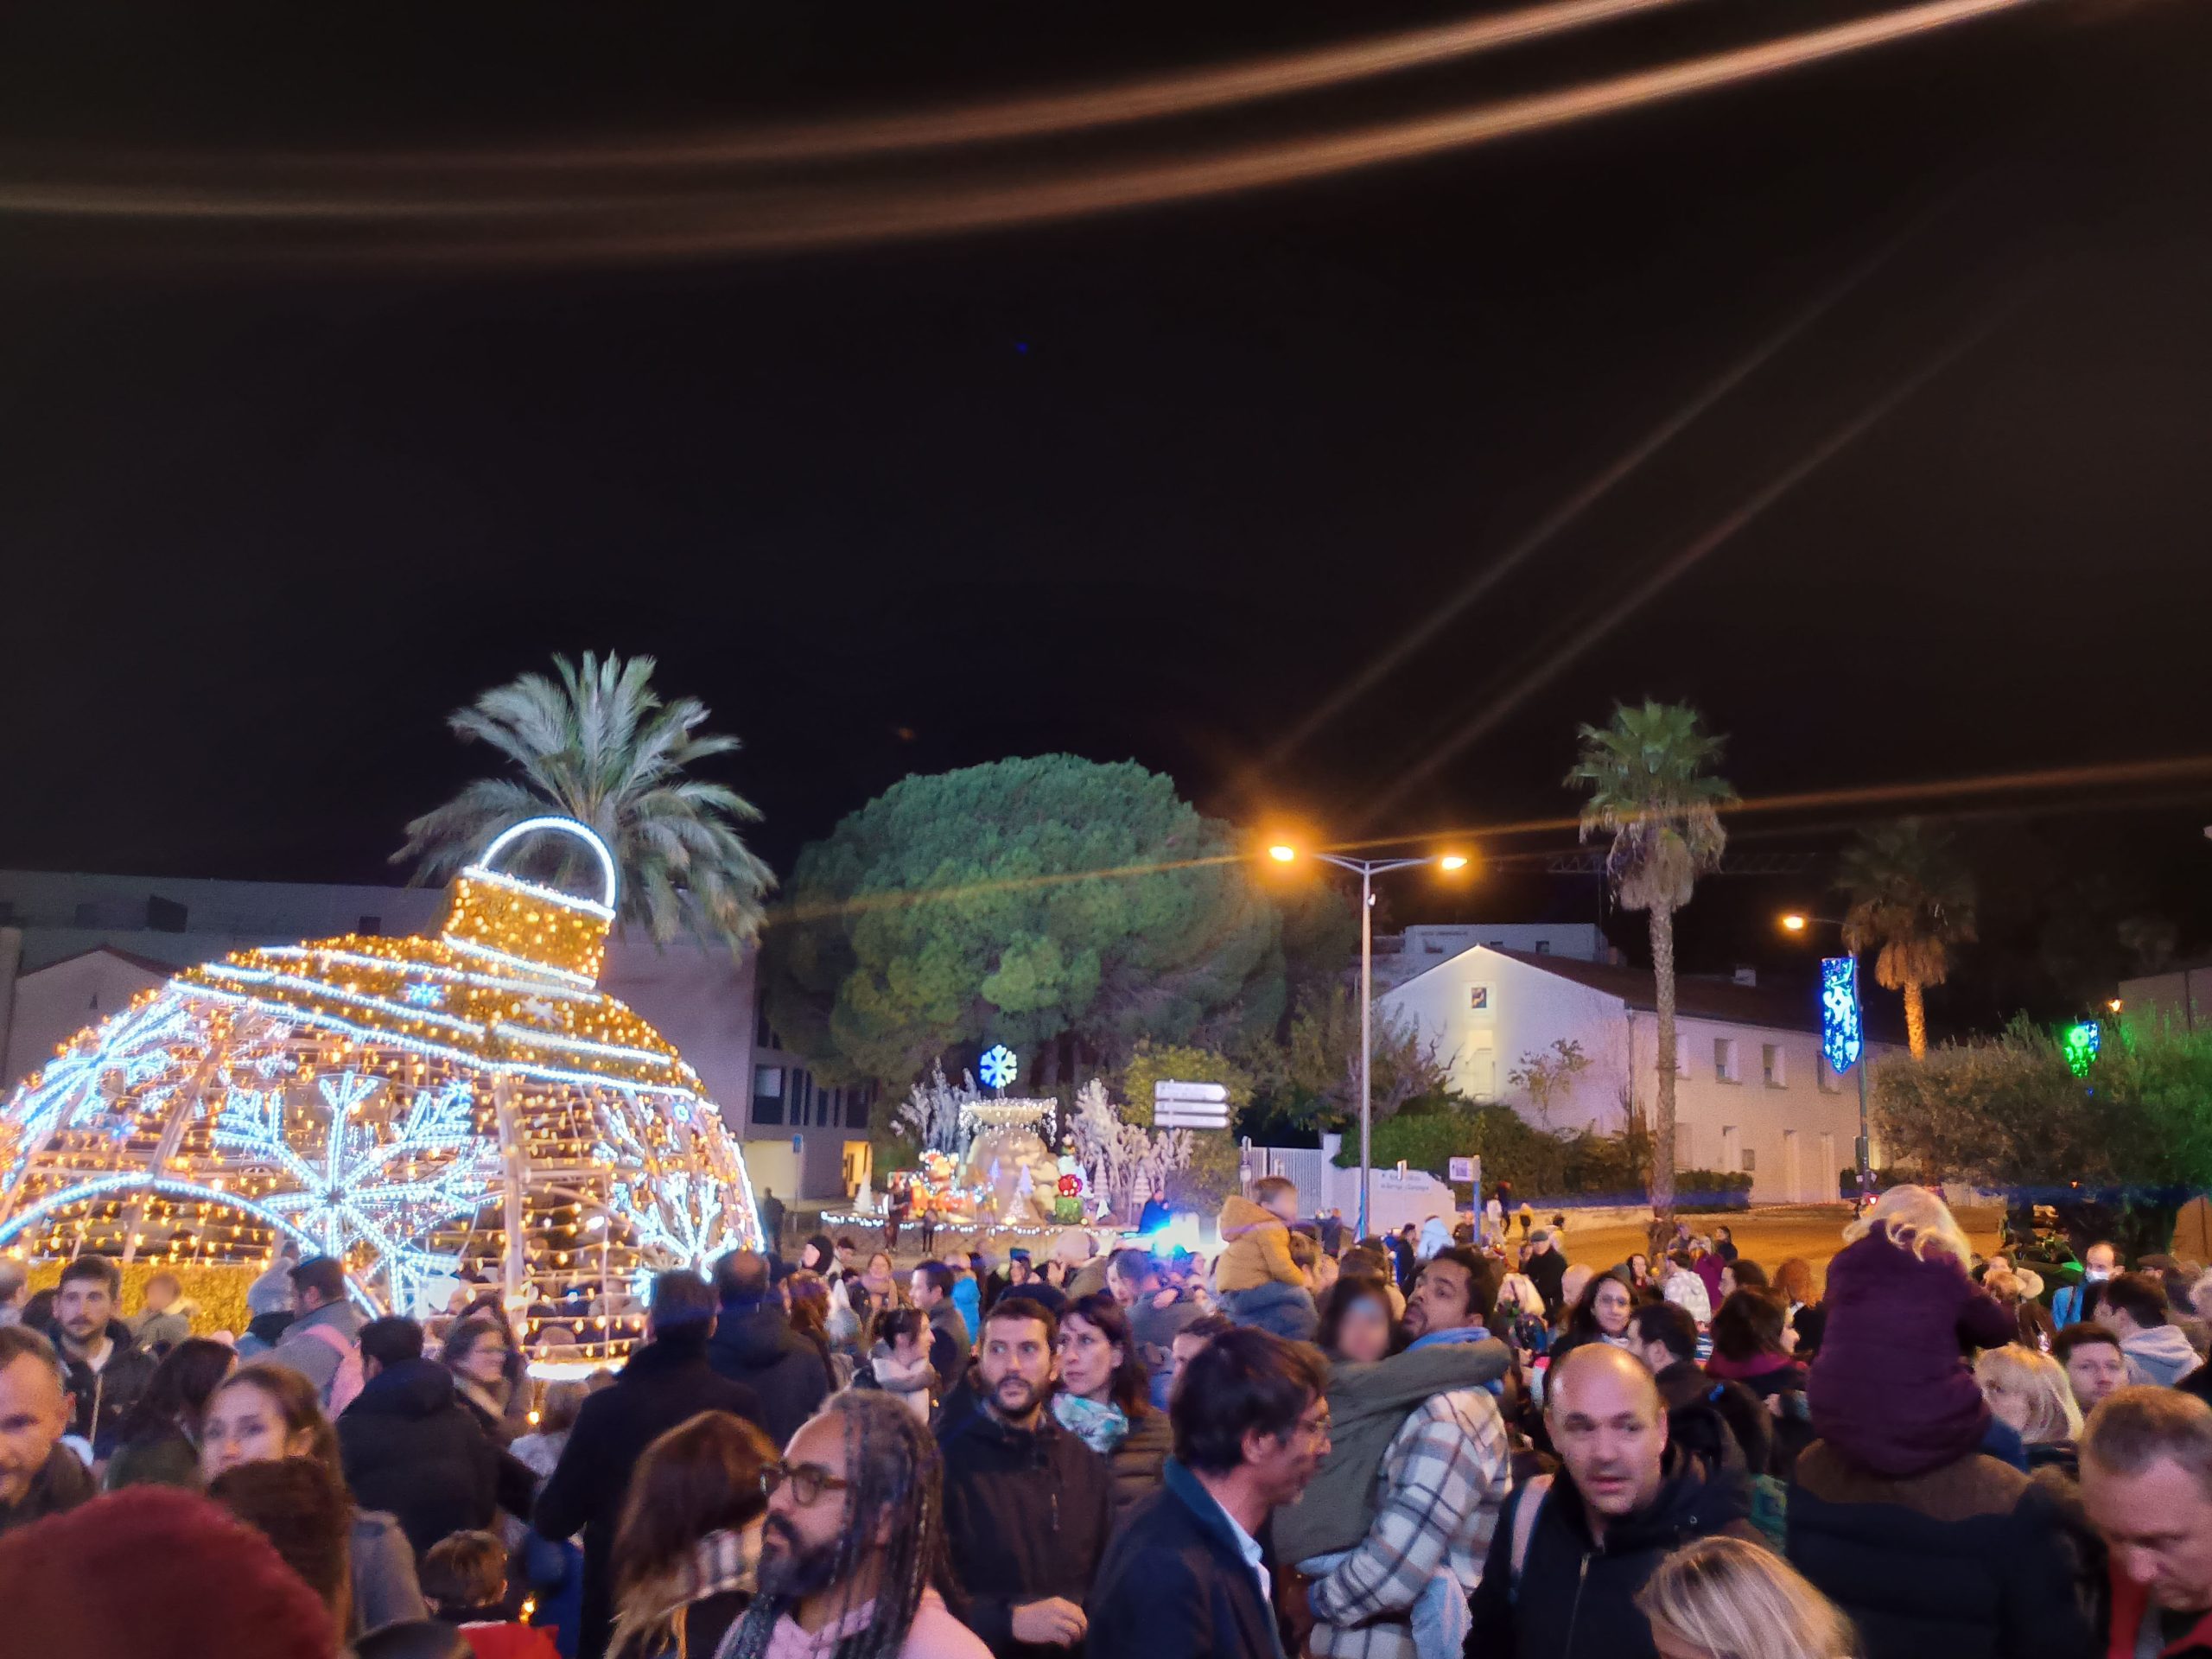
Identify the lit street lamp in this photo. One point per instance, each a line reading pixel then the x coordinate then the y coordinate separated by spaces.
pixel 1795 922
pixel 1366 869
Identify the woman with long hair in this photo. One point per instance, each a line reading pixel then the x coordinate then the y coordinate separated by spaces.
pixel 263 1413
pixel 880 1283
pixel 807 1300
pixel 161 1436
pixel 1723 1598
pixel 2037 1329
pixel 2028 1392
pixel 1105 1397
pixel 690 1538
pixel 1357 1323
pixel 899 1360
pixel 1601 1313
pixel 1751 1346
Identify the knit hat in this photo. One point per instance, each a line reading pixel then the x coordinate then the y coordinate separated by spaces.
pixel 200 1583
pixel 271 1293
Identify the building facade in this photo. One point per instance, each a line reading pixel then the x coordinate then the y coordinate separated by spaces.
pixel 1399 957
pixel 1752 1093
pixel 75 949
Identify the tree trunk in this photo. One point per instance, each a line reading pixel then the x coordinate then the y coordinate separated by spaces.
pixel 1915 1018
pixel 1663 1114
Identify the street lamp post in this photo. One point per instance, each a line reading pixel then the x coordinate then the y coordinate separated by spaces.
pixel 1366 869
pixel 1797 923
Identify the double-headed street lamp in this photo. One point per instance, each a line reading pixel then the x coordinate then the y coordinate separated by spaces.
pixel 1798 921
pixel 1366 869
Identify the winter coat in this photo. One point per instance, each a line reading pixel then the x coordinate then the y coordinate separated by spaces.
pixel 1137 1461
pixel 1575 1595
pixel 969 1301
pixel 380 1563
pixel 667 1382
pixel 1176 1582
pixel 1367 1405
pixel 948 1345
pixel 1708 1268
pixel 1026 1515
pixel 159 1333
pixel 409 1447
pixel 2160 1356
pixel 1286 1311
pixel 1968 1561
pixel 1255 1249
pixel 754 1344
pixel 913 1381
pixel 1155 1329
pixel 1891 1390
pixel 262 1332
pixel 1545 1271
pixel 99 1401
pixel 311 1356
pixel 490 1636
pixel 2130 1602
pixel 63 1484
pixel 162 1456
pixel 1722 1422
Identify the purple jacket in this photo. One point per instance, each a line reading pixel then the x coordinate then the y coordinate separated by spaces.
pixel 1890 1389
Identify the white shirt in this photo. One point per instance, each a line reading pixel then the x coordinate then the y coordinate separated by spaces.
pixel 1254 1557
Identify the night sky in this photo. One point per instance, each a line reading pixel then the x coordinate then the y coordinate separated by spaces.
pixel 1154 483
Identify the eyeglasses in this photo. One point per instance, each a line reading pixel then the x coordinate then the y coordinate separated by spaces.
pixel 1315 1428
pixel 808 1482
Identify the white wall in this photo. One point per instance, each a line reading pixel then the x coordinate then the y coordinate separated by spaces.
pixel 55 1002
pixel 1425 944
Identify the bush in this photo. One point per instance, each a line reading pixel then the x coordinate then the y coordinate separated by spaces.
pixel 1713 1189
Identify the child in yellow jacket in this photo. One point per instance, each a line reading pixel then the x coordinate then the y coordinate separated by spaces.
pixel 1255 1281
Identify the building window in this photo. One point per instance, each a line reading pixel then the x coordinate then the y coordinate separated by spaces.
pixel 1724 1063
pixel 1831 1079
pixel 1432 947
pixel 1543 947
pixel 368 927
pixel 1750 1161
pixel 1681 1055
pixel 1770 1066
pixel 768 1093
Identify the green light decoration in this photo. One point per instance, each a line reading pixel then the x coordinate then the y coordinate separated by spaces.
pixel 2080 1043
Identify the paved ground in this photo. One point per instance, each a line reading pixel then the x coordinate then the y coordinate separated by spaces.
pixel 1768 1237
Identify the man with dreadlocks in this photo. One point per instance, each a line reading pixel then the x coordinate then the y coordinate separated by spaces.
pixel 852 1553
pixel 1028 1506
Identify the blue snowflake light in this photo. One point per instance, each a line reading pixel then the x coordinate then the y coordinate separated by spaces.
pixel 424 994
pixel 1841 1037
pixel 998 1068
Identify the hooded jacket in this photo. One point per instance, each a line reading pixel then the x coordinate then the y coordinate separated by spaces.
pixel 1255 1248
pixel 410 1447
pixel 1026 1515
pixel 2160 1356
pixel 99 1401
pixel 754 1344
pixel 1575 1595
pixel 1891 1388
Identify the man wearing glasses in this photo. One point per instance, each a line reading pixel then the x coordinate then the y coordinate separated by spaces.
pixel 1186 1574
pixel 1027 1505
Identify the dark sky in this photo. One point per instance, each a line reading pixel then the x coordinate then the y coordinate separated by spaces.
pixel 1151 483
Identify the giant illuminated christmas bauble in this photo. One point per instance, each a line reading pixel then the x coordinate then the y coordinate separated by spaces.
pixel 414 1106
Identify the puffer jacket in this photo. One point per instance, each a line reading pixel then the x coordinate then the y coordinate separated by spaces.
pixel 1136 1462
pixel 1574 1597
pixel 410 1447
pixel 1255 1249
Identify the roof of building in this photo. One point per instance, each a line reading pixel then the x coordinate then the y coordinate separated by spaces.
pixel 144 964
pixel 1772 1007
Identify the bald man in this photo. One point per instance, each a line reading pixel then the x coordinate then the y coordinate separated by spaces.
pixel 1568 1559
pixel 39 1475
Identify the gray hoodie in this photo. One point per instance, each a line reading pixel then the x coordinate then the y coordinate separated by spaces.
pixel 2160 1356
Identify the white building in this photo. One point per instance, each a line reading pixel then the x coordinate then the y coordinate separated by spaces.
pixel 1399 957
pixel 74 949
pixel 1752 1094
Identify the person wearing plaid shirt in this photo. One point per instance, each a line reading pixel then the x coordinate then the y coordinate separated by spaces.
pixel 1401 1593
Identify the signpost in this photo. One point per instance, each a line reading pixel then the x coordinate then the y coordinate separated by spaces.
pixel 1469 1169
pixel 1190 1105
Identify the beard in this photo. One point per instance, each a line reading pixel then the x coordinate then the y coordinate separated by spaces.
pixel 789 1570
pixel 1015 1396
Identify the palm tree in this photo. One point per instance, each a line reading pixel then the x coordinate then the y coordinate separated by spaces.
pixel 601 746
pixel 1911 900
pixel 1649 791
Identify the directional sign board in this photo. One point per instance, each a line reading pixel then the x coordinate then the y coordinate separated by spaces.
pixel 1190 1105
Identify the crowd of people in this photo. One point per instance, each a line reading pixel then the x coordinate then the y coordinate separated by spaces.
pixel 1454 1442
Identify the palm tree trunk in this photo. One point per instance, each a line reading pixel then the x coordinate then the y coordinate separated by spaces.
pixel 1663 1116
pixel 1915 1018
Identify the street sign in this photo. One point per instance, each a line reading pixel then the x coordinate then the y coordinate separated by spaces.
pixel 1463 1169
pixel 1189 1105
pixel 1210 1093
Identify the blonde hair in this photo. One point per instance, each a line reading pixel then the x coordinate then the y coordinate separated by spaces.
pixel 1735 1600
pixel 2041 1381
pixel 1915 1219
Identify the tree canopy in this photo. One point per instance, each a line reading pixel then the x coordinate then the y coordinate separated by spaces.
pixel 1016 903
pixel 1911 900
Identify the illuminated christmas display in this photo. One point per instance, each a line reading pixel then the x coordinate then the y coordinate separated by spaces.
pixel 418 1107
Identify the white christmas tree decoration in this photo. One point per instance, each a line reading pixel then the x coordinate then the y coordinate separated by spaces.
pixel 1124 1160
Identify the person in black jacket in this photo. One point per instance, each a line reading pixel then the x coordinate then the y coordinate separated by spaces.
pixel 1186 1574
pixel 932 1290
pixel 754 1345
pixel 667 1382
pixel 1027 1506
pixel 1545 1268
pixel 410 1447
pixel 107 1369
pixel 1572 1551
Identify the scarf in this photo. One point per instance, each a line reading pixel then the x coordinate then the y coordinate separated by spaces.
pixel 1438 1339
pixel 651 1617
pixel 1101 1428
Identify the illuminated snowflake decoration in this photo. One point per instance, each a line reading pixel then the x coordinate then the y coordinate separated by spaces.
pixel 359 1189
pixel 998 1068
pixel 424 994
pixel 1841 1039
pixel 679 1211
pixel 2079 1045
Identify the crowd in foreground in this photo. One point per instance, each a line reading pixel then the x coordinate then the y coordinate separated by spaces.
pixel 1426 1447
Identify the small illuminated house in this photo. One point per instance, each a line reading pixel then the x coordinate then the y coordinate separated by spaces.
pixel 416 1106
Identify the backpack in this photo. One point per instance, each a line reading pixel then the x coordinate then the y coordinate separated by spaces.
pixel 346 1381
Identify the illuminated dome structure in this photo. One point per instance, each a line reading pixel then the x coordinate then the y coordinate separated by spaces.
pixel 417 1106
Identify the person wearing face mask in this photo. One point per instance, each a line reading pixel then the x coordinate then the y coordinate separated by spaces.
pixel 2073 1303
